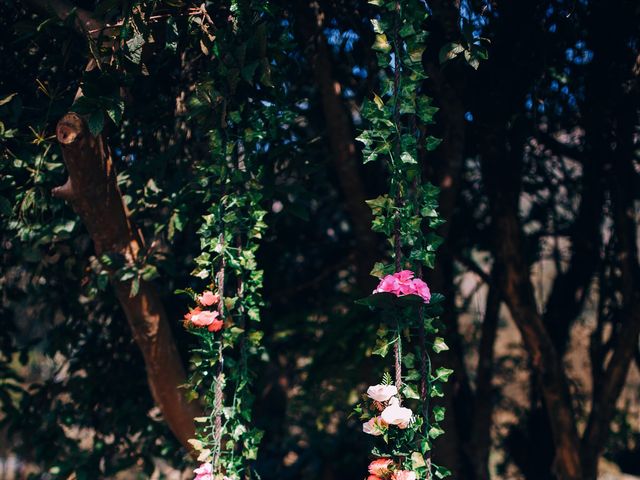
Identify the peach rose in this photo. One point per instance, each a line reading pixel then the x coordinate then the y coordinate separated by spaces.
pixel 208 298
pixel 380 467
pixel 204 318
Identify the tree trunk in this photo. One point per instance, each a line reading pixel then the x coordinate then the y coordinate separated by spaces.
pixel 93 192
pixel 501 175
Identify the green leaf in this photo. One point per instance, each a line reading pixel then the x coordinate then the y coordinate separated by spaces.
pixel 439 345
pixel 381 44
pixel 450 51
pixel 409 392
pixel 116 110
pixel 438 413
pixel 377 28
pixel 135 287
pixel 378 101
pixel 442 374
pixel 96 122
pixel 432 143
pixel 417 460
pixel 407 158
pixel 441 472
pixel 5 206
pixel 435 431
pixel 134 48
pixel 407 30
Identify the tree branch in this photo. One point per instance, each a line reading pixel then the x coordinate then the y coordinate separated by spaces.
pixel 93 192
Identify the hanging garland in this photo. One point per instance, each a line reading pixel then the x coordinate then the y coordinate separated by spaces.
pixel 397 411
pixel 237 98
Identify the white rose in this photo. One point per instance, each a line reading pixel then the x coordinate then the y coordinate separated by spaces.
pixel 394 414
pixel 374 426
pixel 381 393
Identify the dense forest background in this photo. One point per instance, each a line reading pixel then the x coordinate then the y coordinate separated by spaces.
pixel 539 173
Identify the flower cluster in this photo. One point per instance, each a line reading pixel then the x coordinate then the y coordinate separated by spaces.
pixel 403 283
pixel 384 411
pixel 203 316
pixel 386 402
pixel 386 469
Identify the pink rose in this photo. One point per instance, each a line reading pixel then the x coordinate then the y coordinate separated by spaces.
pixel 375 426
pixel 373 477
pixel 208 298
pixel 204 472
pixel 380 467
pixel 394 414
pixel 381 393
pixel 404 475
pixel 204 318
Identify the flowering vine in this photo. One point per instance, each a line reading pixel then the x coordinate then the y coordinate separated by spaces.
pixel 237 97
pixel 397 412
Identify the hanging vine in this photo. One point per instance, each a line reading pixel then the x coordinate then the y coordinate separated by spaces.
pixel 397 411
pixel 237 97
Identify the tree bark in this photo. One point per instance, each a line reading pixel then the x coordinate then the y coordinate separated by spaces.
pixel 483 399
pixel 501 175
pixel 93 192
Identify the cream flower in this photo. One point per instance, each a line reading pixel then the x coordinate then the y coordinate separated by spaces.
pixel 404 475
pixel 375 426
pixel 382 393
pixel 394 414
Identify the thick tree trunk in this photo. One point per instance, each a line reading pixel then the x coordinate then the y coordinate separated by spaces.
pixel 93 192
pixel 501 175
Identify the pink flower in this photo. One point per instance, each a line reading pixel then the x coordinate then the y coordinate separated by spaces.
pixel 373 477
pixel 389 284
pixel 380 467
pixel 195 311
pixel 404 475
pixel 208 298
pixel 404 275
pixel 375 426
pixel 204 472
pixel 422 289
pixel 204 318
pixel 402 283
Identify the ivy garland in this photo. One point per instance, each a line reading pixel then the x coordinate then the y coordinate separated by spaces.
pixel 237 96
pixel 397 411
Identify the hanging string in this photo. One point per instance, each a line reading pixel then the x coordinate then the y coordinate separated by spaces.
pixel 397 241
pixel 219 394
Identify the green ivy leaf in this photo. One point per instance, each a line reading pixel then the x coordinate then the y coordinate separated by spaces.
pixel 439 345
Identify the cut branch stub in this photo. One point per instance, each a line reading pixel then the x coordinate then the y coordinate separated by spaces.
pixel 93 192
